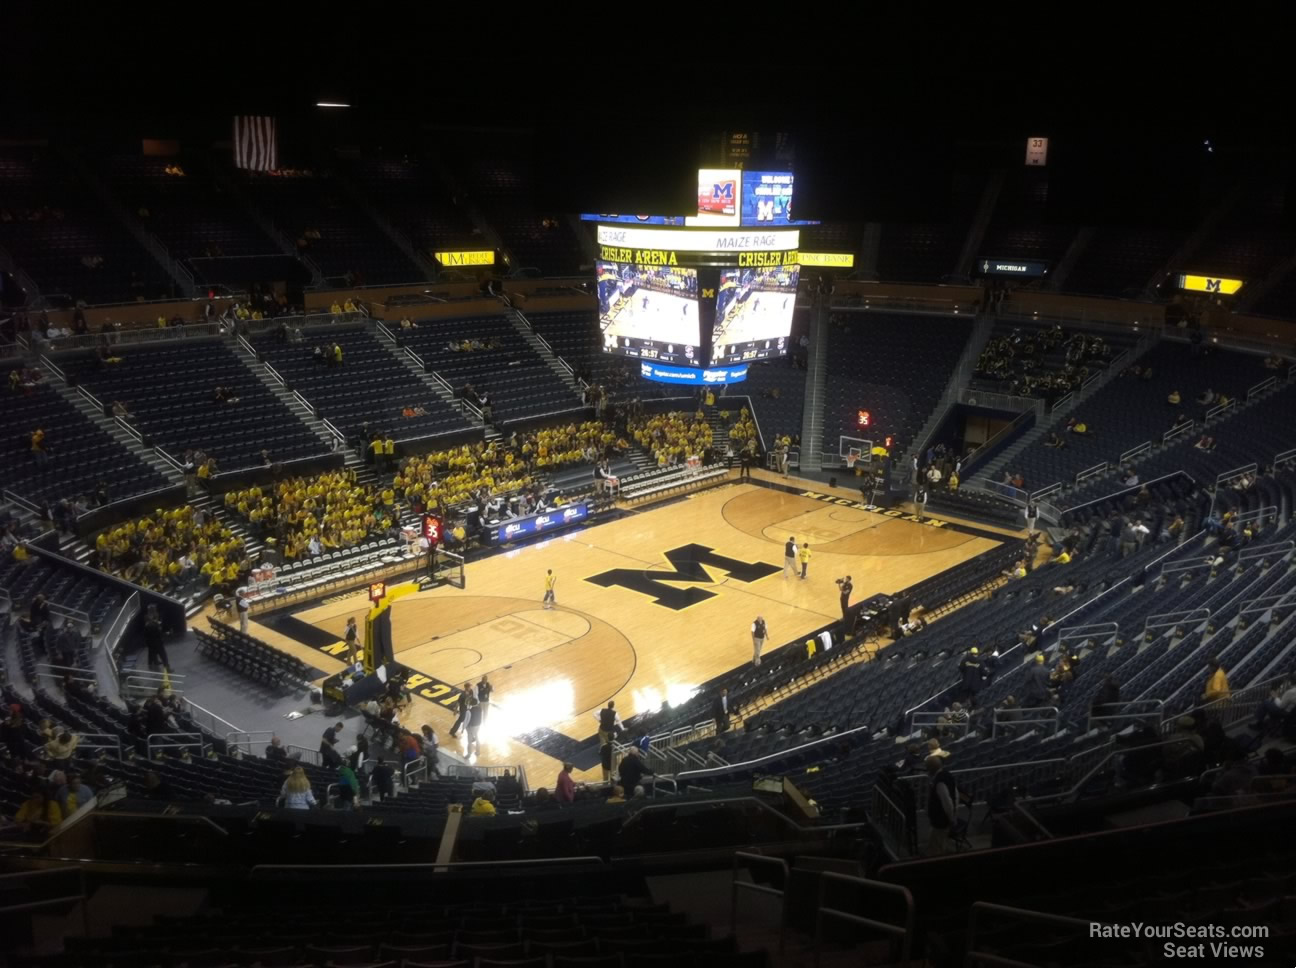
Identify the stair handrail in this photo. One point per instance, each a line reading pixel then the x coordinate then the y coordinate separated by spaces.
pixel 127 428
pixel 1261 387
pixel 1165 620
pixel 337 434
pixel 53 367
pixel 1127 490
pixel 1279 548
pixel 90 398
pixel 168 458
pixel 275 374
pixel 1136 451
pixel 418 360
pixel 1219 409
pixel 1088 472
pixel 1284 457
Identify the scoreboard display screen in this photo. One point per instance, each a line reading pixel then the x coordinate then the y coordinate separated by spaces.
pixel 753 313
pixel 650 312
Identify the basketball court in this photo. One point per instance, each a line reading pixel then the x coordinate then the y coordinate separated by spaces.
pixel 649 607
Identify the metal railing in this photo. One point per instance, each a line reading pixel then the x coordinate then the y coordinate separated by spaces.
pixel 207 720
pixel 17 886
pixel 304 754
pixel 1001 401
pixel 984 783
pixel 1165 620
pixel 243 741
pixel 1098 631
pixel 1235 707
pixel 1061 402
pixel 110 742
pixel 1134 452
pixel 170 741
pixel 147 682
pixel 1284 457
pixel 130 337
pixel 1261 387
pixel 1176 432
pixel 1026 717
pixel 979 911
pixel 46 670
pixel 1006 491
pixel 1267 603
pixel 1088 472
pixel 1220 409
pixel 933 719
pixel 90 398
pixel 1147 711
pixel 1127 490
pixel 743 860
pixel 902 932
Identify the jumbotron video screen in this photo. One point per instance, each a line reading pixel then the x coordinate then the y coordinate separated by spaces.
pixel 650 312
pixel 753 318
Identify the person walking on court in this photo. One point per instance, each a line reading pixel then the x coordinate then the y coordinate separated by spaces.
pixel 920 502
pixel 550 581
pixel 461 710
pixel 484 690
pixel 352 639
pixel 759 634
pixel 748 455
pixel 790 558
pixel 805 560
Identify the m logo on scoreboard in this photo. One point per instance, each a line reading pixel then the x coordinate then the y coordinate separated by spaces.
pixel 689 563
pixel 718 197
pixel 1212 285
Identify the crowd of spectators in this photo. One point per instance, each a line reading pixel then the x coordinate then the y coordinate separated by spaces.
pixel 308 515
pixel 672 437
pixel 463 474
pixel 166 550
pixel 1019 360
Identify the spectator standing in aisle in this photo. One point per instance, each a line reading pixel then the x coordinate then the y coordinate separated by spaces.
pixel 296 793
pixel 720 710
pixel 384 780
pixel 431 751
pixel 565 785
pixel 154 636
pixel 389 452
pixel 759 633
pixel 942 805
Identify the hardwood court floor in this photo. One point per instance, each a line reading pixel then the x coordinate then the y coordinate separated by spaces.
pixel 614 639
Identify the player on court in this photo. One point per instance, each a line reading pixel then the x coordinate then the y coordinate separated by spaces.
pixel 550 580
pixel 805 559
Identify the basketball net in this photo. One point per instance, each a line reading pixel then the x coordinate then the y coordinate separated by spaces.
pixel 850 461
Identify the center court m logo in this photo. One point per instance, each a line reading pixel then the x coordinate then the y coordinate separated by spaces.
pixel 688 562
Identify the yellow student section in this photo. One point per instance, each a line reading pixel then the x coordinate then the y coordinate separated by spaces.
pixel 649 606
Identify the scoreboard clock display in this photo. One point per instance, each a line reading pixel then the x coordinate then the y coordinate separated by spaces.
pixel 432 529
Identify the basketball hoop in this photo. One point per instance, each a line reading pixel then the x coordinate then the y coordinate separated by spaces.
pixel 850 461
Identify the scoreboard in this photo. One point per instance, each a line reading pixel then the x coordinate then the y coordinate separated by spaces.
pixel 696 296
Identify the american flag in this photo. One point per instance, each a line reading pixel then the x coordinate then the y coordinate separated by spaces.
pixel 254 143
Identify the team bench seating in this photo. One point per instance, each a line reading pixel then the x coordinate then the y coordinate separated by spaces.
pixel 658 483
